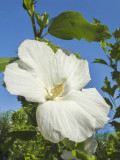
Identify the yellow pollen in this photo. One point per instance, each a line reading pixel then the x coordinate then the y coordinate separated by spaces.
pixel 57 90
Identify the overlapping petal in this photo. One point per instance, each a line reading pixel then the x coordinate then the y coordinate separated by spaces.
pixel 76 71
pixel 93 103
pixel 52 68
pixel 90 145
pixel 19 81
pixel 59 119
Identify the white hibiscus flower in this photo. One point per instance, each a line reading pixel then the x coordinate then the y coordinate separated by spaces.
pixel 55 82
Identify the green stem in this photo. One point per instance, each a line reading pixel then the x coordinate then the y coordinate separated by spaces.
pixel 33 25
pixel 40 33
pixel 44 35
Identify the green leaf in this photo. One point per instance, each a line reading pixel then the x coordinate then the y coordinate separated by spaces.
pixel 117 114
pixel 107 87
pixel 103 45
pixel 6 61
pixel 108 102
pixel 116 34
pixel 83 156
pixel 114 155
pixel 73 145
pixel 116 76
pixel 77 55
pixel 7 145
pixel 116 125
pixel 97 60
pixel 69 144
pixel 28 5
pixel 53 47
pixel 69 25
pixel 22 135
pixel 118 96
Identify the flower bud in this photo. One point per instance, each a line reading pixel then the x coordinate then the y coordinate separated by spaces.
pixel 42 20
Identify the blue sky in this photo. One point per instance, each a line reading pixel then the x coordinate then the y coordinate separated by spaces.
pixel 15 27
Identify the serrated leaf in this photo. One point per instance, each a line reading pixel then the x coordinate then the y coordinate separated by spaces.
pixel 69 25
pixel 6 61
pixel 107 87
pixel 116 76
pixel 116 34
pixel 108 102
pixel 97 60
pixel 117 114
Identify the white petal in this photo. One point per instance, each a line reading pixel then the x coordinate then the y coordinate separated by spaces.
pixel 52 68
pixel 93 103
pixel 76 71
pixel 19 81
pixel 40 58
pixel 91 145
pixel 64 119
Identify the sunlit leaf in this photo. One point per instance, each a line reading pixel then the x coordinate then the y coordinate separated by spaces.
pixel 69 25
pixel 6 61
pixel 97 60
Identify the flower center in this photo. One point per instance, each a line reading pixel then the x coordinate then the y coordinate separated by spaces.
pixel 57 90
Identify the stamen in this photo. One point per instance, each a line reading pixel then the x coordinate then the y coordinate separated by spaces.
pixel 57 90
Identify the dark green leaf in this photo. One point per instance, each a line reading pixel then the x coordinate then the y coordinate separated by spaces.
pixel 116 125
pixel 6 61
pixel 116 34
pixel 97 60
pixel 7 145
pixel 118 96
pixel 73 145
pixel 114 155
pixel 23 135
pixel 116 76
pixel 69 144
pixel 107 87
pixel 117 114
pixel 108 102
pixel 69 25
pixel 83 156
